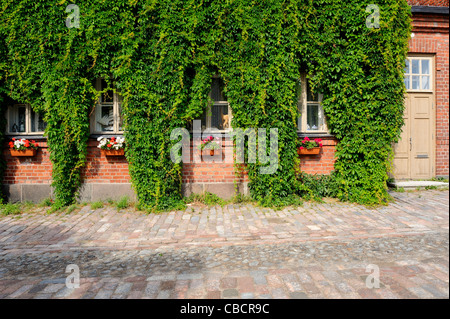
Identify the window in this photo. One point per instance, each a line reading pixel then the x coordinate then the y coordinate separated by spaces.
pixel 217 114
pixel 22 120
pixel 418 74
pixel 106 117
pixel 312 118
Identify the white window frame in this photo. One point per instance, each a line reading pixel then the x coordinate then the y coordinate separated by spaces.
pixel 96 114
pixel 303 104
pixel 209 112
pixel 28 111
pixel 420 74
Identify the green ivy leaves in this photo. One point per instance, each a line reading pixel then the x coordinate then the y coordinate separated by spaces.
pixel 162 55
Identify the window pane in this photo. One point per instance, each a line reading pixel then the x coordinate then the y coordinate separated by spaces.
pixel 37 122
pixel 299 123
pixel 219 116
pixel 415 66
pixel 425 66
pixel 415 82
pixel 407 66
pixel 106 120
pixel 311 97
pixel 407 80
pixel 298 89
pixel 17 119
pixel 425 82
pixel 312 120
pixel 108 95
pixel 217 88
pixel 202 119
pixel 14 119
pixel 120 117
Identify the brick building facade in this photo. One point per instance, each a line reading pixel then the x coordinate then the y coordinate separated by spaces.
pixel 430 36
pixel 29 178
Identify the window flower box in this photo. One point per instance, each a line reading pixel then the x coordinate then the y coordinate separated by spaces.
pixel 23 147
pixel 112 146
pixel 209 147
pixel 119 152
pixel 305 151
pixel 29 152
pixel 208 152
pixel 309 147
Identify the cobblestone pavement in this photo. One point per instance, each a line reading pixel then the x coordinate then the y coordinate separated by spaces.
pixel 319 250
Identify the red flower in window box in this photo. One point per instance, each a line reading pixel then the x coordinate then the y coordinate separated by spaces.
pixel 309 147
pixel 112 146
pixel 209 146
pixel 23 147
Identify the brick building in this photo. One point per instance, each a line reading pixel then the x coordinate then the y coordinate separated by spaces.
pixel 422 153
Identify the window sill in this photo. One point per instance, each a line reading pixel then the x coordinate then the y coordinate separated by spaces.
pixel 30 136
pixel 204 134
pixel 107 135
pixel 315 134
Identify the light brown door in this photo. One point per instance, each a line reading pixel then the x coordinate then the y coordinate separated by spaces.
pixel 414 154
pixel 402 150
pixel 422 136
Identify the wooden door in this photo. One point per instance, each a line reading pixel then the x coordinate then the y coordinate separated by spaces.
pixel 422 136
pixel 414 154
pixel 402 150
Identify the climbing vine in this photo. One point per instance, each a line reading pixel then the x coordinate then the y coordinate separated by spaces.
pixel 3 95
pixel 161 56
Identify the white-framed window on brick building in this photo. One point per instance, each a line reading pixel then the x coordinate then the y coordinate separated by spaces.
pixel 217 114
pixel 106 117
pixel 419 74
pixel 312 118
pixel 23 120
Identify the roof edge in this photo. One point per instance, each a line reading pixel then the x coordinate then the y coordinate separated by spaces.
pixel 429 10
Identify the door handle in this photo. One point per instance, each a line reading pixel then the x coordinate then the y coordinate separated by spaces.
pixel 410 144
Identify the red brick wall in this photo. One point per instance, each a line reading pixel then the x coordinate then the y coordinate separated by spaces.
pixel 28 170
pixel 205 171
pixel 114 169
pixel 104 169
pixel 430 3
pixel 322 163
pixel 431 37
pixel 38 169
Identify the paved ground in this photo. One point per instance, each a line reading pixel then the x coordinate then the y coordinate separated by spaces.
pixel 319 250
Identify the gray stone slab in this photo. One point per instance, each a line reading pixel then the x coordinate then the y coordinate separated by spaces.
pixel 418 184
pixel 85 193
pixel 35 192
pixel 13 192
pixel 192 188
pixel 105 191
pixel 223 190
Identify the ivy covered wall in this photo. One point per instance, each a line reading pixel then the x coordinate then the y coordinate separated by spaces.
pixel 161 56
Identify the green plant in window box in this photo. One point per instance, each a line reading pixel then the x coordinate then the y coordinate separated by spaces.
pixel 112 146
pixel 23 147
pixel 310 147
pixel 210 144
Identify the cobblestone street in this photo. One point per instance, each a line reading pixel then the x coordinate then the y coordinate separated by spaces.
pixel 318 250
